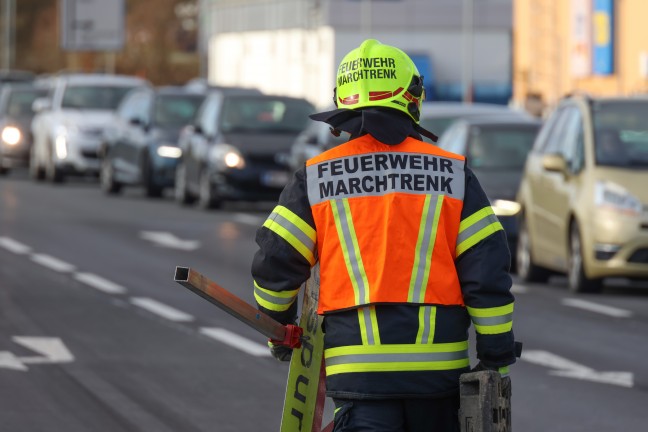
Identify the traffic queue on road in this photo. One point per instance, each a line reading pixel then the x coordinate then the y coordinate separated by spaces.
pixel 570 192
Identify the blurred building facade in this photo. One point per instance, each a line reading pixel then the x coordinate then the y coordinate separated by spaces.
pixel 594 46
pixel 294 46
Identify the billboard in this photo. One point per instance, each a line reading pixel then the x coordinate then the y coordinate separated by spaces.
pixel 581 38
pixel 92 25
pixel 603 38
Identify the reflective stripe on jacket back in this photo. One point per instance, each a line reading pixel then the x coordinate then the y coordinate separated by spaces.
pixel 387 219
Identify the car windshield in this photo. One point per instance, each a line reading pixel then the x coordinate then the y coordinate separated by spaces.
pixel 263 114
pixel 437 125
pixel 94 97
pixel 621 133
pixel 175 110
pixel 20 102
pixel 501 147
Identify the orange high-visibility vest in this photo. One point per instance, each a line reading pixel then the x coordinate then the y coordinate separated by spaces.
pixel 387 220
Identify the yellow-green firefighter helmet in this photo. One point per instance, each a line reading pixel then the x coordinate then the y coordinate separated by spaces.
pixel 378 75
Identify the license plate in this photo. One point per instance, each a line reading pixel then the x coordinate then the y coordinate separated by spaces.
pixel 275 178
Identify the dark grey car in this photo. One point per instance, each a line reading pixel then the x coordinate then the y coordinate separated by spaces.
pixel 16 114
pixel 238 147
pixel 496 148
pixel 142 147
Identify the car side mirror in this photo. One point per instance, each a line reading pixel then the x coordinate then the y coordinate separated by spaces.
pixel 41 104
pixel 554 163
pixel 197 129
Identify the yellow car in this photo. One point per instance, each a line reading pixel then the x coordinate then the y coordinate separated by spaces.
pixel 584 194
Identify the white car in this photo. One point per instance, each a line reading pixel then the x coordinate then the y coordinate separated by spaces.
pixel 69 126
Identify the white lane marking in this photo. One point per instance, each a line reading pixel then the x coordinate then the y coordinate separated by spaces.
pixel 236 341
pixel 161 309
pixel 52 263
pixel 53 350
pixel 14 246
pixel 248 219
pixel 99 283
pixel 569 369
pixel 10 361
pixel 168 240
pixel 595 307
pixel 519 289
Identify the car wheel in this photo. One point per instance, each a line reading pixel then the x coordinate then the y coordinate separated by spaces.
pixel 107 178
pixel 207 198
pixel 578 280
pixel 526 269
pixel 53 173
pixel 181 191
pixel 35 171
pixel 152 190
pixel 3 170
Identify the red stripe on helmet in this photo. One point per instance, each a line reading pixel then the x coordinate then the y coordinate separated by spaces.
pixel 385 94
pixel 350 100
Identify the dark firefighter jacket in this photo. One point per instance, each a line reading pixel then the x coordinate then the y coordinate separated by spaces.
pixel 406 266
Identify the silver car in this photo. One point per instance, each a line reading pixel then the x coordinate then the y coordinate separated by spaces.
pixel 69 126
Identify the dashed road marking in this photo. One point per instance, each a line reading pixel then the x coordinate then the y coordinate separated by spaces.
pixel 598 308
pixel 14 246
pixel 53 263
pixel 236 341
pixel 248 219
pixel 99 283
pixel 161 309
pixel 519 289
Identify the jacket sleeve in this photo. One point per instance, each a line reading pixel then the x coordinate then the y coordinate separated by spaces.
pixel 287 251
pixel 483 260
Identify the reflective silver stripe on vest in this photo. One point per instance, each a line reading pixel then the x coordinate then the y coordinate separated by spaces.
pixel 396 358
pixel 427 323
pixel 368 328
pixel 476 227
pixel 489 321
pixel 354 259
pixel 425 247
pixel 377 174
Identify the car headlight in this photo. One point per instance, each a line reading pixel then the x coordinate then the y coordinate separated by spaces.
pixel 505 207
pixel 167 151
pixel 226 156
pixel 11 135
pixel 615 197
pixel 60 144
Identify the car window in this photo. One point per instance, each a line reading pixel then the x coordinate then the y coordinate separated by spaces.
pixel 621 133
pixel 93 97
pixel 542 138
pixel 572 141
pixel 448 136
pixel 20 101
pixel 175 110
pixel 500 146
pixel 206 117
pixel 555 140
pixel 263 114
pixel 458 142
pixel 134 107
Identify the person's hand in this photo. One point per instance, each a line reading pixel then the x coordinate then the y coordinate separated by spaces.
pixel 280 352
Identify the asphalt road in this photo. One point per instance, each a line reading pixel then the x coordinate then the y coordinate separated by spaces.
pixel 95 335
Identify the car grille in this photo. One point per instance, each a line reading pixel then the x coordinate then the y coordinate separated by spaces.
pixel 89 153
pixel 640 256
pixel 92 131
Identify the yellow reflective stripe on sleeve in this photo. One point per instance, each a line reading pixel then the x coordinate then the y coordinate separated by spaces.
pixel 491 312
pixel 368 325
pixel 396 357
pixel 476 228
pixel 350 250
pixel 494 320
pixel 278 301
pixel 293 230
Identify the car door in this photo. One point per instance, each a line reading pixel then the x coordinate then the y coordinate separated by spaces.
pixel 198 143
pixel 136 132
pixel 554 202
